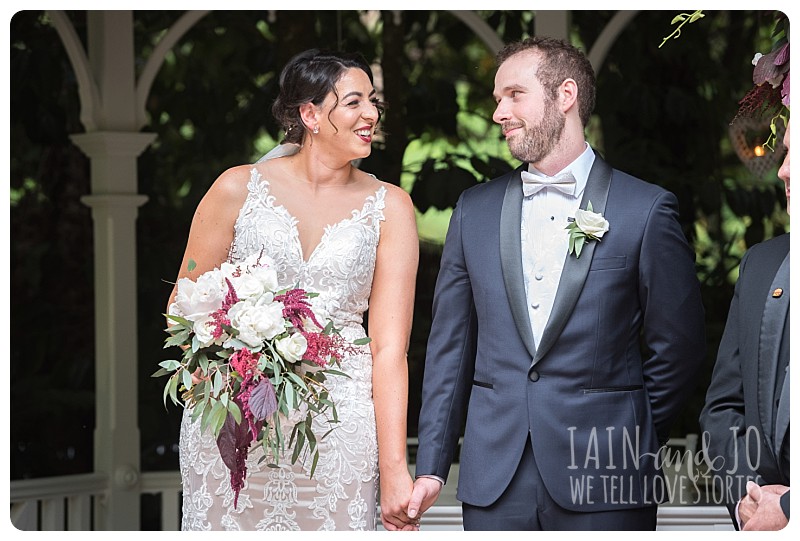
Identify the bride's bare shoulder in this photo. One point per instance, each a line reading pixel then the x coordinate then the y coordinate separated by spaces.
pixel 397 202
pixel 229 191
pixel 396 196
pixel 232 183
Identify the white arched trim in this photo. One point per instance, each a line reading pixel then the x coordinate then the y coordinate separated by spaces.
pixel 481 29
pixel 88 92
pixel 608 36
pixel 156 59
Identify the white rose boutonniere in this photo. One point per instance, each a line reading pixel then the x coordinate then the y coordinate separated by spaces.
pixel 588 225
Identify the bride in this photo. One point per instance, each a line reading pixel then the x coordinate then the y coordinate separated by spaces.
pixel 337 231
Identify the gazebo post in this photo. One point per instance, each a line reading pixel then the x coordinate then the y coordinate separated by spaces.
pixel 113 143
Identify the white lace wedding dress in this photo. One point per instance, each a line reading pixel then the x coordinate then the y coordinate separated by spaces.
pixel 343 492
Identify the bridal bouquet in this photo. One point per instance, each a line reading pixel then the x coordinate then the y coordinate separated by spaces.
pixel 259 357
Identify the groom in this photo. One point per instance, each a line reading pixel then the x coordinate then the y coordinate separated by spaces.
pixel 536 338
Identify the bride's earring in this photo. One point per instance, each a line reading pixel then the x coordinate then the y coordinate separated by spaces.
pixel 315 130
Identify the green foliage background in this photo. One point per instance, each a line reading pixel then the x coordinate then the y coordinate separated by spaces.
pixel 662 115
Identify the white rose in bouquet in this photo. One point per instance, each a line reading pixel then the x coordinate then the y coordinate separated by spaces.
pixel 248 286
pixel 256 322
pixel 292 347
pixel 267 276
pixel 200 298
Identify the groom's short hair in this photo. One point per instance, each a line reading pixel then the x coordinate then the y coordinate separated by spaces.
pixel 559 61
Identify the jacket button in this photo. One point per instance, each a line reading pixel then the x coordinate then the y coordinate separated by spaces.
pixel 533 375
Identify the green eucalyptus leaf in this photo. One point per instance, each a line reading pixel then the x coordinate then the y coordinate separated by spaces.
pixel 198 411
pixel 362 341
pixel 217 417
pixel 160 372
pixel 295 378
pixel 301 440
pixel 234 410
pixel 202 360
pixel 191 265
pixel 204 420
pixel 187 379
pixel 314 464
pixel 579 242
pixel 172 388
pixel 335 414
pixel 177 340
pixel 171 365
pixel 290 396
pixel 178 319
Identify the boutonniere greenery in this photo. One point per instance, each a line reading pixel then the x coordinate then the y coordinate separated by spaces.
pixel 586 226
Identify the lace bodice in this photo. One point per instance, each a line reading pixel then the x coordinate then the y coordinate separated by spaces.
pixel 341 266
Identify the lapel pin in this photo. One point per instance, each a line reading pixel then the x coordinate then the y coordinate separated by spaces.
pixel 777 293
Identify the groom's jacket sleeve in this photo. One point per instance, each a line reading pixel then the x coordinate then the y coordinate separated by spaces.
pixel 450 361
pixel 674 329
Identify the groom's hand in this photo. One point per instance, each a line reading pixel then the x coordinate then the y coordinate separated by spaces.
pixel 425 493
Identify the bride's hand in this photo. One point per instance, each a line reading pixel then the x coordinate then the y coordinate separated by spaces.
pixel 396 490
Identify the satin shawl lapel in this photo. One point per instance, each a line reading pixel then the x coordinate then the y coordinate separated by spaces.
pixel 773 319
pixel 511 259
pixel 576 269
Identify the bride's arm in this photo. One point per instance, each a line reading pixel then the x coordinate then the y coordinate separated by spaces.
pixel 390 312
pixel 211 232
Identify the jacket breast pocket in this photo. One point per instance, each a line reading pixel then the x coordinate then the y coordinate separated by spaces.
pixel 608 263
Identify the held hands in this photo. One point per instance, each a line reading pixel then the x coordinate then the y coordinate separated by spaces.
pixel 426 491
pixel 760 508
pixel 395 491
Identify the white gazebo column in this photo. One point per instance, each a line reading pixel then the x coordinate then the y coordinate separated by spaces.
pixel 114 203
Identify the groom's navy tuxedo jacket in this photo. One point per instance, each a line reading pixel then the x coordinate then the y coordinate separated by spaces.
pixel 745 420
pixel 590 402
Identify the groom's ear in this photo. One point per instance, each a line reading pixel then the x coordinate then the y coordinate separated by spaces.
pixel 568 95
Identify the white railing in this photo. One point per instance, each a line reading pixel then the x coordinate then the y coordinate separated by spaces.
pixel 67 503
pixel 70 502
pixel 64 503
pixel 166 484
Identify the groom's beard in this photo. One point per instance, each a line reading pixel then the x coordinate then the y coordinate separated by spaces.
pixel 538 141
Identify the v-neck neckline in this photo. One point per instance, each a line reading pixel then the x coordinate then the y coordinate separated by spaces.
pixel 355 215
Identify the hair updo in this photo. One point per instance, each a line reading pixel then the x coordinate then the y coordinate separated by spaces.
pixel 308 78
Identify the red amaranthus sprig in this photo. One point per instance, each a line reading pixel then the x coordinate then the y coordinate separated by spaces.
pixel 257 401
pixel 296 307
pixel 324 348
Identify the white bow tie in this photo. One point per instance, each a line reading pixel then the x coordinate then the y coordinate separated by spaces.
pixel 532 183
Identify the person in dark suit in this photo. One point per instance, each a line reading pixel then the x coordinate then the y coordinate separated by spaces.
pixel 745 420
pixel 551 278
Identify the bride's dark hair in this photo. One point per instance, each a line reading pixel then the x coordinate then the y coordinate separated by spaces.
pixel 308 78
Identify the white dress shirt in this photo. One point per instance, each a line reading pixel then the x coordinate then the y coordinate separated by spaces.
pixel 545 240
